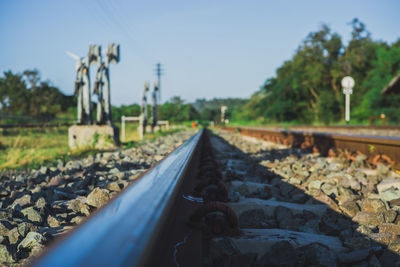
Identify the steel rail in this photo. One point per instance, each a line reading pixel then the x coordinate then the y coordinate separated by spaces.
pixel 374 147
pixel 124 232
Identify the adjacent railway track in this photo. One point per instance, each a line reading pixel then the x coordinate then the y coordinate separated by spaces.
pixel 377 149
pixel 221 200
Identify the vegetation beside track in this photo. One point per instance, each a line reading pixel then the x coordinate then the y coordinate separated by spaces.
pixel 30 148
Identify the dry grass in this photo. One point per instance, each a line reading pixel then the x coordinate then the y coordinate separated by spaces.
pixel 32 147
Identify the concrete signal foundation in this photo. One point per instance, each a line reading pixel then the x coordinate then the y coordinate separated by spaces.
pixel 93 136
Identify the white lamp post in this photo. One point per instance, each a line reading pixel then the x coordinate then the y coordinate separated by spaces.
pixel 347 84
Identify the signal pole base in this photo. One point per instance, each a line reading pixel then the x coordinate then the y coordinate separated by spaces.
pixel 93 137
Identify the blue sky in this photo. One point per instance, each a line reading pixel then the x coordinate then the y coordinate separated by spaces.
pixel 208 48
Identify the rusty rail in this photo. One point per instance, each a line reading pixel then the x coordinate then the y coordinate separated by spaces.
pixel 344 127
pixel 376 148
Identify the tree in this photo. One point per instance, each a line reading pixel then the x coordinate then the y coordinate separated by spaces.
pixel 307 88
pixel 25 94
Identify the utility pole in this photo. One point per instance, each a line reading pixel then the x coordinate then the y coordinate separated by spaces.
pixel 154 108
pixel 159 71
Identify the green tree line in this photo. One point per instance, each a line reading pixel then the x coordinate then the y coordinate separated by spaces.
pixel 306 88
pixel 26 94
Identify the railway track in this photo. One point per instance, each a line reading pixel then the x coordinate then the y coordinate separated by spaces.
pixel 377 149
pixel 378 130
pixel 227 200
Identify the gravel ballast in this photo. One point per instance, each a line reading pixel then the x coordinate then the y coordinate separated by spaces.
pixel 39 205
pixel 322 211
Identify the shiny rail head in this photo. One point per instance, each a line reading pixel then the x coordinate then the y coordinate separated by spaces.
pixel 121 233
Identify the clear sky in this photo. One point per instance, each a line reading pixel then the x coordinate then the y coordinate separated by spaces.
pixel 208 48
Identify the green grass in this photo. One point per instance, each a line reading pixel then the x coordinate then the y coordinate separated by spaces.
pixel 30 148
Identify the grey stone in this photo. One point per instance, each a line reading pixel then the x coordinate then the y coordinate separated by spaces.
pixel 330 189
pixel 361 264
pixel 357 242
pixel 318 255
pixel 25 227
pixel 371 220
pixel 335 167
pixel 373 205
pixel 78 205
pixel 13 235
pixel 5 255
pixel 283 213
pixel 73 165
pixel 354 256
pixel 359 161
pixel 345 191
pixel 374 262
pixel 4 227
pixel 31 240
pixel 32 214
pixel 389 259
pixel 40 203
pixel 113 186
pixel 280 254
pixel 97 198
pixel 56 181
pixel 389 194
pixel 389 215
pixel 78 219
pixel 382 169
pixel 114 171
pixel 395 246
pixel 350 208
pixel 20 179
pixel 22 201
pixel 294 180
pixel 384 238
pixel 269 206
pixel 316 184
pixel 364 230
pixel 388 183
pixel 43 170
pixel 5 214
pixel 251 218
pixel 52 221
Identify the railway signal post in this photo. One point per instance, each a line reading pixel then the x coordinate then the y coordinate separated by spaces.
pixel 95 58
pixel 143 115
pixel 82 89
pixel 347 84
pixel 104 135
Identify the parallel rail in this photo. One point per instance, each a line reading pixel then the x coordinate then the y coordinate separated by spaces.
pixel 376 148
pixel 128 230
pixel 347 127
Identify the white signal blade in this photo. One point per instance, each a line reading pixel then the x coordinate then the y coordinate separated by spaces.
pixel 72 55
